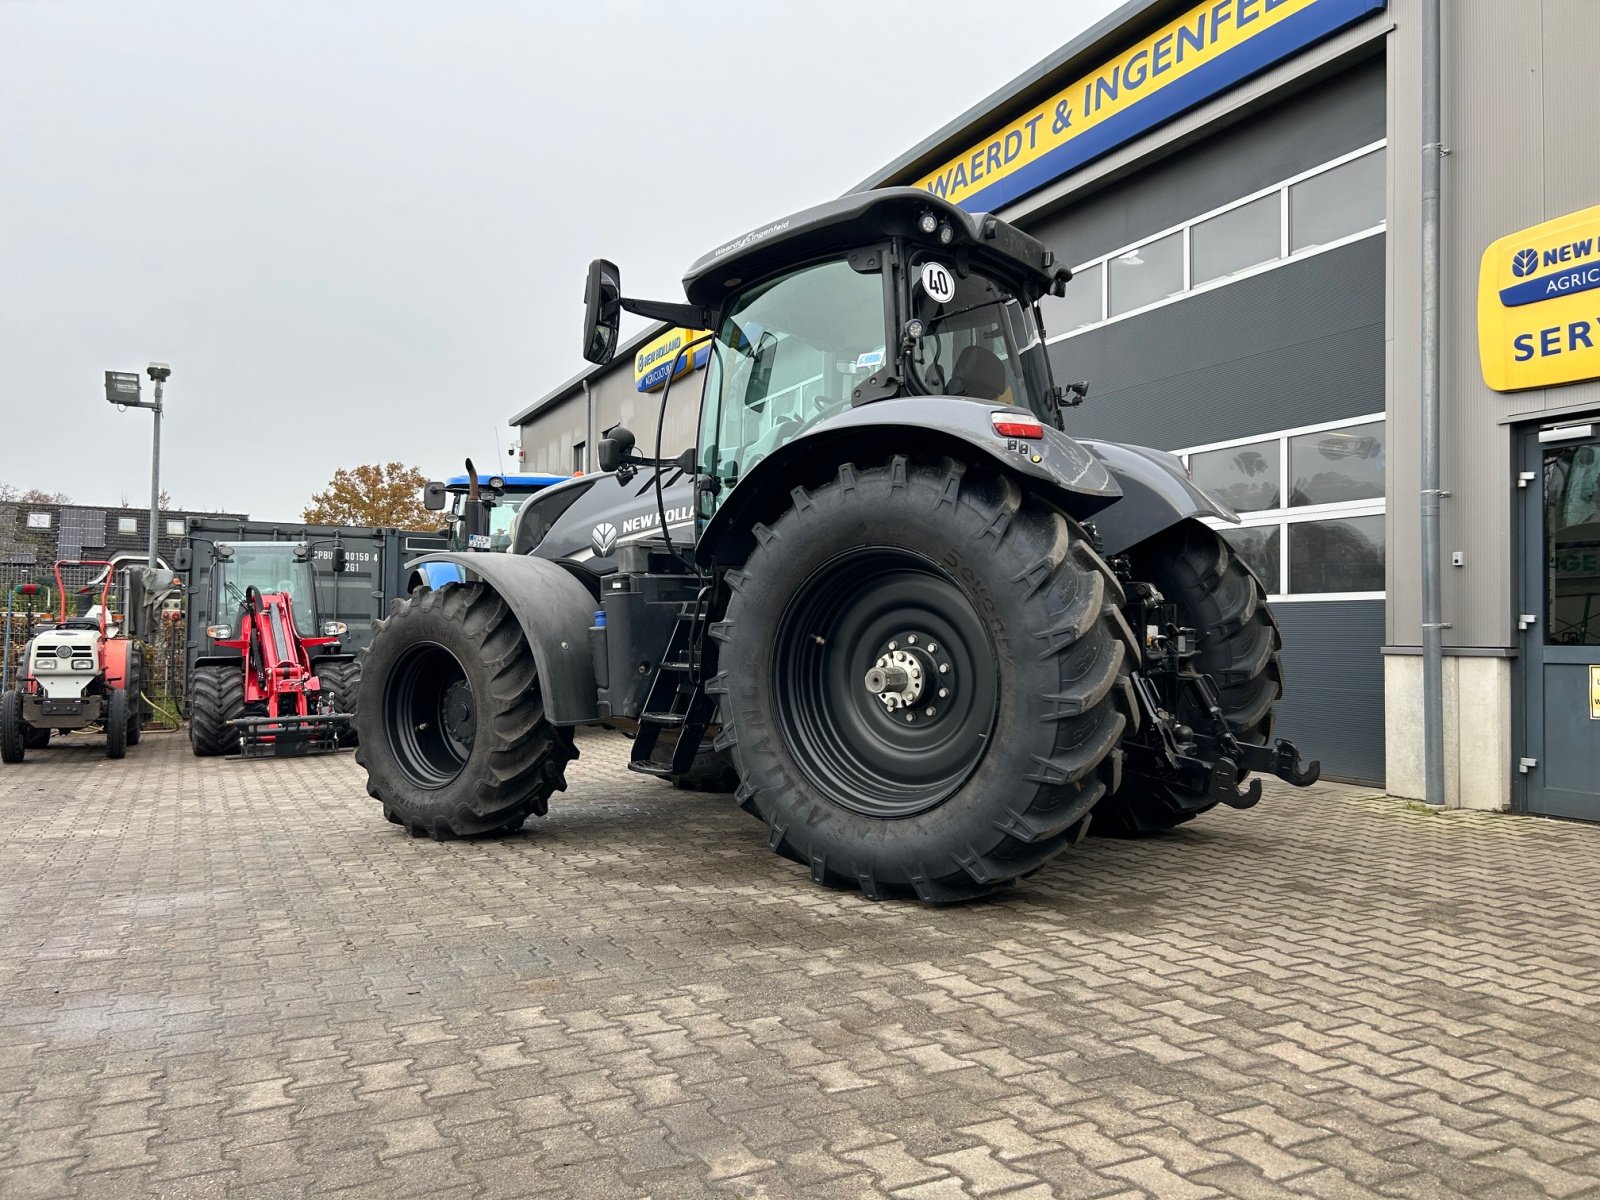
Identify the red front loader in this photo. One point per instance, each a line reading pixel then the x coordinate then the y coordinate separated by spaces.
pixel 287 709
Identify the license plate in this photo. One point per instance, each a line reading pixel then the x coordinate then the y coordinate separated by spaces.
pixel 478 541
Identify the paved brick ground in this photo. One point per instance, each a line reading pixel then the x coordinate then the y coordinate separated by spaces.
pixel 226 978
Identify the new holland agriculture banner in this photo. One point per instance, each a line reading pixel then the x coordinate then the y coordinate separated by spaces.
pixel 664 357
pixel 1209 49
pixel 1539 305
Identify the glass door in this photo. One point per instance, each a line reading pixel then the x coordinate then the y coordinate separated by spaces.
pixel 1560 616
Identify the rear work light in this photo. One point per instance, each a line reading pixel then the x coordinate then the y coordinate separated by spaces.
pixel 1015 425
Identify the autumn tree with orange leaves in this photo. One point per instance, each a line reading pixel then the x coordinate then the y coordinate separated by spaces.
pixel 379 494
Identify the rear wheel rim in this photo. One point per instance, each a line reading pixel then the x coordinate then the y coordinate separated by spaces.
pixel 429 715
pixel 863 610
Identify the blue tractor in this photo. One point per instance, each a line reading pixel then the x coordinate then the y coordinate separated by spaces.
pixel 480 511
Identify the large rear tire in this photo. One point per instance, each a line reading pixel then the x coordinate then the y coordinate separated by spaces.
pixel 116 723
pixel 1223 601
pixel 341 682
pixel 216 696
pixel 450 719
pixel 1003 652
pixel 13 730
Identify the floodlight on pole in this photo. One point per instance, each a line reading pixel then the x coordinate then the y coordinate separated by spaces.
pixel 122 389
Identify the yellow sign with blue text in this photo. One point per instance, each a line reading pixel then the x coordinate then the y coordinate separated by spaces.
pixel 665 358
pixel 1203 53
pixel 1539 305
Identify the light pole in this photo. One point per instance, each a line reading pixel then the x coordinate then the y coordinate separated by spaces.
pixel 159 374
pixel 122 389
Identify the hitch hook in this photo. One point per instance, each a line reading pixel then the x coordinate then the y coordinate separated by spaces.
pixel 1288 769
pixel 1225 786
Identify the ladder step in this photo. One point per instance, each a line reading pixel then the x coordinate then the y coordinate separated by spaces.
pixel 675 666
pixel 662 718
pixel 651 768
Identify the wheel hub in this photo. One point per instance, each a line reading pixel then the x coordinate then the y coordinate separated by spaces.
pixel 896 679
pixel 912 675
pixel 460 716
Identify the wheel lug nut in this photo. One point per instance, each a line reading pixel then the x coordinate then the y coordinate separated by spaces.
pixel 933 647
pixel 929 711
pixel 943 692
pixel 912 640
pixel 911 716
pixel 894 645
pixel 944 668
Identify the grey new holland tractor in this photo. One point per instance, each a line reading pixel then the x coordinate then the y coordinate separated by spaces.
pixel 932 636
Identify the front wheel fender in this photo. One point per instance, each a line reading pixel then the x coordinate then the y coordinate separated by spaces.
pixel 555 611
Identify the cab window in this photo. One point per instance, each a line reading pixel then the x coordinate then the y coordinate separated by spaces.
pixel 977 339
pixel 787 354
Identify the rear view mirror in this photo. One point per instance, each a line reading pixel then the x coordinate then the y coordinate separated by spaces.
pixel 433 496
pixel 602 311
pixel 615 447
pixel 184 558
pixel 338 557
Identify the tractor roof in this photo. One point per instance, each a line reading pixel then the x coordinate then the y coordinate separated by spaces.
pixel 862 219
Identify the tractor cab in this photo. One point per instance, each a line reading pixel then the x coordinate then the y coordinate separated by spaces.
pixel 872 298
pixel 483 521
pixel 287 568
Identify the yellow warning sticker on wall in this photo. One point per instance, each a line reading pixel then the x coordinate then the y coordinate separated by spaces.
pixel 1594 693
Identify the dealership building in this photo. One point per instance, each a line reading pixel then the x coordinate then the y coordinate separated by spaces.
pixel 1237 186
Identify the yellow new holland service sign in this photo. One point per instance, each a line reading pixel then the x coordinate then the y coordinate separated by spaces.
pixel 1539 305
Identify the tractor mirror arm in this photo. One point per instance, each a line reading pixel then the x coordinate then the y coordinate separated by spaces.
pixel 689 316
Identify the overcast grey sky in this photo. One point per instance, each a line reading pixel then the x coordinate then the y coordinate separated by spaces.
pixel 358 230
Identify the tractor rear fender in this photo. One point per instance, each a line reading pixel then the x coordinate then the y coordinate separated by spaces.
pixel 1157 493
pixel 555 611
pixel 962 428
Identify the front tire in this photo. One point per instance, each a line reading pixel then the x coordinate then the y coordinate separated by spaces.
pixel 450 718
pixel 13 730
pixel 341 683
pixel 116 723
pixel 987 767
pixel 1223 601
pixel 216 696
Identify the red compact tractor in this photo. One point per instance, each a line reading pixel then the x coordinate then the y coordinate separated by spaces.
pixel 82 671
pixel 286 709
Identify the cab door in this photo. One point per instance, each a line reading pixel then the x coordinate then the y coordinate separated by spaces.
pixel 1560 620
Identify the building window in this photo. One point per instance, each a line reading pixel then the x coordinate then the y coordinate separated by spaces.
pixel 1232 241
pixel 1337 465
pixel 1312 503
pixel 1315 211
pixel 1146 274
pixel 579 453
pixel 38 520
pixel 1082 305
pixel 1345 555
pixel 1257 546
pixel 127 525
pixel 175 528
pixel 1245 478
pixel 1337 203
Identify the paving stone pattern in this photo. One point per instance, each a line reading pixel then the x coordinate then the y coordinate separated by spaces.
pixel 225 978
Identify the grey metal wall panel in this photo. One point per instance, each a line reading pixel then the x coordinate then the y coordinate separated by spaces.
pixel 1293 346
pixel 1333 685
pixel 1295 135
